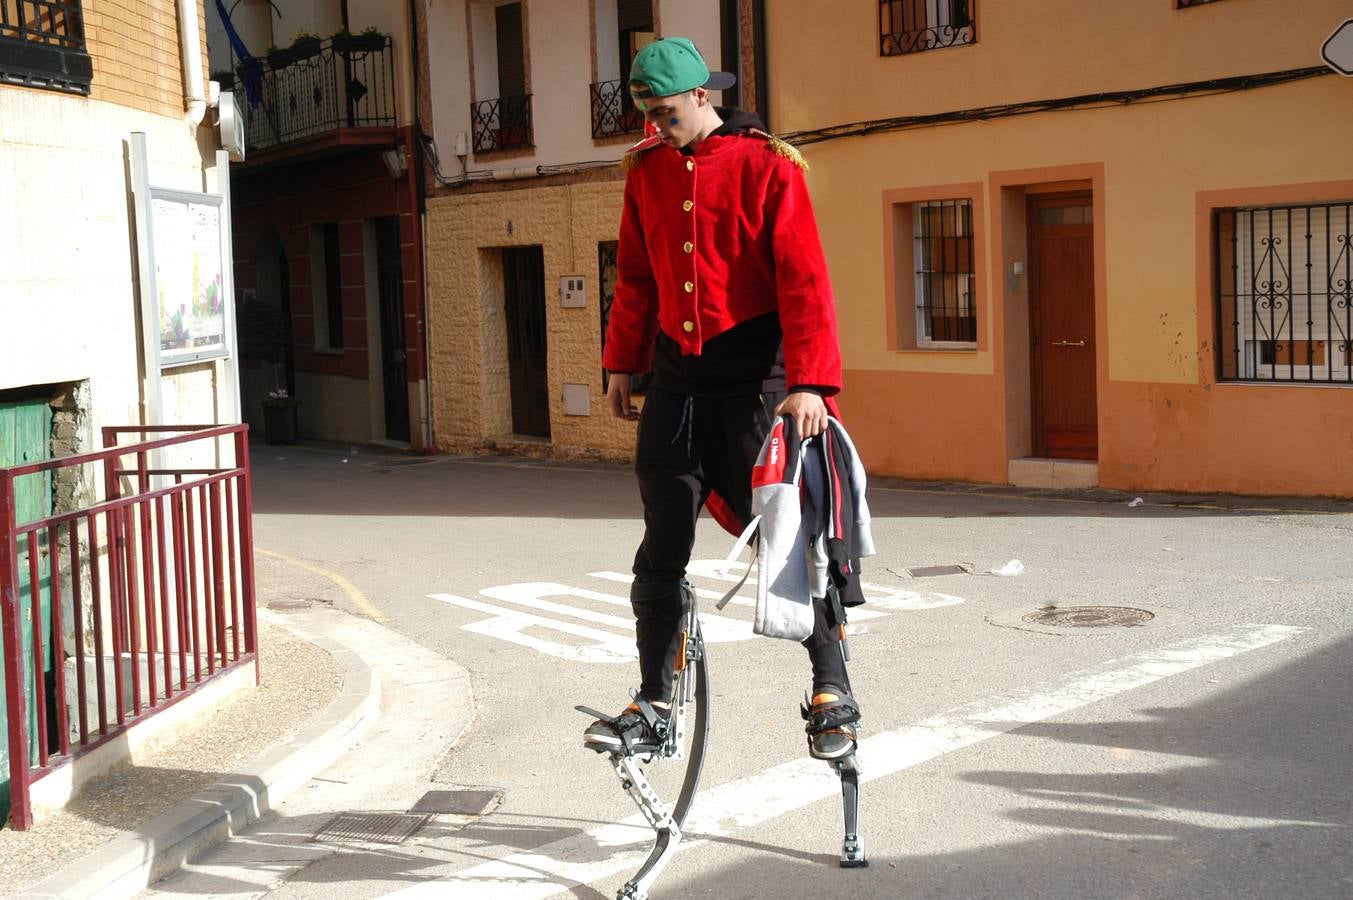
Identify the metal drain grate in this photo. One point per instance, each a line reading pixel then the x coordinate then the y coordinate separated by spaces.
pixel 370 828
pixel 1089 616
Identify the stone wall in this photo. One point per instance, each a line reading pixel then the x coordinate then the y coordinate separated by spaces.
pixel 471 394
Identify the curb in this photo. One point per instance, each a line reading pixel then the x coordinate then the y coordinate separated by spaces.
pixel 128 865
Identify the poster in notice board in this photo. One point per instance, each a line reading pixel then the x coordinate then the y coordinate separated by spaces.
pixel 188 280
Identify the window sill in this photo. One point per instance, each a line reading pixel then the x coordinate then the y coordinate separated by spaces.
pixel 1232 382
pixel 327 351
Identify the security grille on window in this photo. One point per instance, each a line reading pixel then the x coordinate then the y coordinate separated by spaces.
pixel 911 26
pixel 945 312
pixel 42 44
pixel 607 276
pixel 1285 293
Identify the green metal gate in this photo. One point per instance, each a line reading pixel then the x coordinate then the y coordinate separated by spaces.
pixel 25 436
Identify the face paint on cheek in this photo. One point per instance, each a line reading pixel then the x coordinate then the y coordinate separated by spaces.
pixel 673 121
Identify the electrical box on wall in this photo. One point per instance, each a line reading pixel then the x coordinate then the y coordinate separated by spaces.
pixel 577 400
pixel 572 291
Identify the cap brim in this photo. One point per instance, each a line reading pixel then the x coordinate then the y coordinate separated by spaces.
pixel 719 81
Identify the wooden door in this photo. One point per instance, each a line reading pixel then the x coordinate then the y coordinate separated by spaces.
pixel 1062 326
pixel 394 356
pixel 25 437
pixel 524 293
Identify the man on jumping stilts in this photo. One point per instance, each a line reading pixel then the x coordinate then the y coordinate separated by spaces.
pixel 723 295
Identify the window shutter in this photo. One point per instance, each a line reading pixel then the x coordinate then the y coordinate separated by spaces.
pixel 634 15
pixel 511 53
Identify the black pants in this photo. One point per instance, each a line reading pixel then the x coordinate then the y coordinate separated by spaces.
pixel 689 447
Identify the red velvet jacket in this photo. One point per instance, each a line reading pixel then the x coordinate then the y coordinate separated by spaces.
pixel 714 239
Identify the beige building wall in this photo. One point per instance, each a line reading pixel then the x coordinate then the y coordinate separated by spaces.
pixel 567 215
pixel 68 288
pixel 468 361
pixel 560 70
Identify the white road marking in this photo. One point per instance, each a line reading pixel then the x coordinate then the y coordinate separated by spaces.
pixel 879 594
pixel 856 615
pixel 782 789
pixel 716 629
pixel 507 625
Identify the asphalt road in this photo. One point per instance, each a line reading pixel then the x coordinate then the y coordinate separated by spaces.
pixel 1203 752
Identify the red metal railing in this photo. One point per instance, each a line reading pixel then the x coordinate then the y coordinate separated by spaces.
pixel 150 591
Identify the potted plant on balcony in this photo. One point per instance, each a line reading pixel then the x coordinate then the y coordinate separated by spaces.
pixel 305 44
pixel 370 40
pixel 279 57
pixel 279 417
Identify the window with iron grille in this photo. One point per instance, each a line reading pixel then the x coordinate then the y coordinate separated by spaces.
pixel 1285 293
pixel 42 44
pixel 945 311
pixel 607 276
pixel 911 26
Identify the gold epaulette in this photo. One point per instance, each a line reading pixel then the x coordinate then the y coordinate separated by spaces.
pixel 634 154
pixel 782 148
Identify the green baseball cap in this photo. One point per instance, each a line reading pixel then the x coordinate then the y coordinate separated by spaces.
pixel 673 66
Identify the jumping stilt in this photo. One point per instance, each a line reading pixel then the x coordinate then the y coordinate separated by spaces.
pixel 852 848
pixel 690 696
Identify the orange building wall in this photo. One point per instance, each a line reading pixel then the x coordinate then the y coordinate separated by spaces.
pixel 1157 169
pixel 134 45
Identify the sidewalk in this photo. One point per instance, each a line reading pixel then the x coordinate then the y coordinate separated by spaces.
pixel 299 682
pixel 320 694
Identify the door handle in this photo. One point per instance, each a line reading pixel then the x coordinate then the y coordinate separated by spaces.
pixel 1068 343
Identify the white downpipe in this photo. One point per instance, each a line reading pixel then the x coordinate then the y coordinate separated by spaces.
pixel 194 88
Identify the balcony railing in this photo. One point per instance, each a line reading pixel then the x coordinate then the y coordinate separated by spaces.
pixel 502 124
pixel 612 111
pixel 322 87
pixel 42 44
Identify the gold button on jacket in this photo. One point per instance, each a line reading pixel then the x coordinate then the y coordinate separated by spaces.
pixel 688 247
pixel 688 206
pixel 690 165
pixel 688 325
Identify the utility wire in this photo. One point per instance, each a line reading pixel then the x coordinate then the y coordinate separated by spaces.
pixel 482 175
pixel 1107 98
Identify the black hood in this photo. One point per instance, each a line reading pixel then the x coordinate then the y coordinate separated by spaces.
pixel 736 121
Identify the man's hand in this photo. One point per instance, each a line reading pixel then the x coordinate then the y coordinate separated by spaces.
pixel 808 411
pixel 618 396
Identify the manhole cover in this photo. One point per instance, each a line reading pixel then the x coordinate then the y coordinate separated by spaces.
pixel 371 828
pixel 1089 616
pixel 462 803
pixel 932 571
pixel 289 604
pixel 401 463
